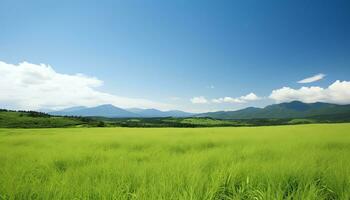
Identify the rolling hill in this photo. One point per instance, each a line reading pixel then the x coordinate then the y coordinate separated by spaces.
pixel 31 119
pixel 294 109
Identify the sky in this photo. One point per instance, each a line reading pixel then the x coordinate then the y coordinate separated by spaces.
pixel 192 55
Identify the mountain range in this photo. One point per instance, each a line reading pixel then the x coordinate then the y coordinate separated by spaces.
pixel 158 113
pixel 111 111
pixel 294 109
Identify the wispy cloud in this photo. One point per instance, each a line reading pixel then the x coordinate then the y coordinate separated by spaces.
pixel 243 99
pixel 32 86
pixel 174 98
pixel 199 100
pixel 338 92
pixel 211 86
pixel 311 79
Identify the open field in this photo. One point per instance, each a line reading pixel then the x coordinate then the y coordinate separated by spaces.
pixel 278 162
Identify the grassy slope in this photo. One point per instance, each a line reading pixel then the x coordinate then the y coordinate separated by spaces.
pixel 24 120
pixel 279 162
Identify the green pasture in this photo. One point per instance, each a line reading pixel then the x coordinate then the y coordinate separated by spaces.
pixel 276 162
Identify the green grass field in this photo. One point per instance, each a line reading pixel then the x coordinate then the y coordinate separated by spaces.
pixel 277 162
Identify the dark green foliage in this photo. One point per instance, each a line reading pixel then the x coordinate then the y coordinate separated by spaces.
pixel 37 114
pixel 170 122
pixel 194 122
pixel 101 124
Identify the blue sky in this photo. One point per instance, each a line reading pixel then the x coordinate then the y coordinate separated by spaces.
pixel 172 51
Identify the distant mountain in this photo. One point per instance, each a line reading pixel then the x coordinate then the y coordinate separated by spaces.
pixel 178 113
pixel 115 112
pixel 106 110
pixel 294 109
pixel 45 110
pixel 71 109
pixel 146 112
pixel 158 113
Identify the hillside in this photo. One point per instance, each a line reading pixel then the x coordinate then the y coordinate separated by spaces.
pixel 24 119
pixel 295 109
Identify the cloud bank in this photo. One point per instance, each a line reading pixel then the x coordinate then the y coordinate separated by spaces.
pixel 338 92
pixel 199 100
pixel 243 99
pixel 311 79
pixel 32 86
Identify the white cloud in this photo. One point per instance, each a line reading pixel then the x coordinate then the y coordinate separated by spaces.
pixel 338 92
pixel 250 97
pixel 311 79
pixel 199 100
pixel 32 86
pixel 243 99
pixel 228 100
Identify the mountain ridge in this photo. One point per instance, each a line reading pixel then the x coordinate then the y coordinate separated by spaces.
pixel 105 110
pixel 108 110
pixel 294 109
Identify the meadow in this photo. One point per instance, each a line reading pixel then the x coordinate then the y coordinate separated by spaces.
pixel 276 162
